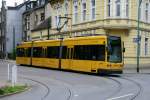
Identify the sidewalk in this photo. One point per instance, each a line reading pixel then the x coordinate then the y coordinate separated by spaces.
pixel 7 60
pixel 144 69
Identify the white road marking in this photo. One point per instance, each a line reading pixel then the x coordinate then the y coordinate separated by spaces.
pixel 76 95
pixel 120 97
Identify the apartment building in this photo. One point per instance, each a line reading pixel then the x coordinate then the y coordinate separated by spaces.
pixel 108 17
pixel 11 28
pixel 33 16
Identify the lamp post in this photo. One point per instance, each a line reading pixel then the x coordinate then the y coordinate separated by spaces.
pixel 59 28
pixel 138 36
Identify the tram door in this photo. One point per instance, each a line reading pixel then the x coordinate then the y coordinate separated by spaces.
pixel 70 57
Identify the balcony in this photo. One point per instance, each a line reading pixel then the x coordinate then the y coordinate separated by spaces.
pixel 124 24
pixel 117 23
pixel 110 24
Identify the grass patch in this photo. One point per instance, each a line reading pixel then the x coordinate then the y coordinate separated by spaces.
pixel 10 90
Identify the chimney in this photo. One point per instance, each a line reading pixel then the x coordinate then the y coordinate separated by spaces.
pixel 15 4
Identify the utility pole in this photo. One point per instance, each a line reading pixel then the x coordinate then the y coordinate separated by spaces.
pixel 59 28
pixel 14 42
pixel 138 35
pixel 49 26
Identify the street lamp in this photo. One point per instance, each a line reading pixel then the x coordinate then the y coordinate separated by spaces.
pixel 138 35
pixel 59 28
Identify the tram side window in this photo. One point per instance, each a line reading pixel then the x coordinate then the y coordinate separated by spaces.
pixel 89 52
pixel 64 52
pixel 29 52
pixel 37 52
pixel 20 52
pixel 99 52
pixel 53 52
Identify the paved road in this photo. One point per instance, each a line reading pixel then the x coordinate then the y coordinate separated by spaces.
pixel 58 85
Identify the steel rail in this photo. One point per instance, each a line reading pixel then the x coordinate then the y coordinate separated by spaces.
pixel 118 88
pixel 140 88
pixel 48 89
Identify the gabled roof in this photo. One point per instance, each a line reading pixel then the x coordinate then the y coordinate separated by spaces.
pixel 17 7
pixel 33 9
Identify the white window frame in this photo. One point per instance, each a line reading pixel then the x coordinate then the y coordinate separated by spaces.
pixel 93 17
pixel 28 22
pixel 117 3
pixel 66 6
pixel 83 15
pixel 56 21
pixel 127 8
pixel 146 12
pixel 109 10
pixel 146 46
pixel 75 11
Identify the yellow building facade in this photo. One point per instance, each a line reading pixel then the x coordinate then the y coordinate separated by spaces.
pixel 108 17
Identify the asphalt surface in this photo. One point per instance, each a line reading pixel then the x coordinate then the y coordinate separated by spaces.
pixel 49 84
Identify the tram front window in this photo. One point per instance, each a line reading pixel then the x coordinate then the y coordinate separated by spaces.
pixel 114 50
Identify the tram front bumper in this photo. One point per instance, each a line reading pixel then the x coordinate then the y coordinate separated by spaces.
pixel 105 71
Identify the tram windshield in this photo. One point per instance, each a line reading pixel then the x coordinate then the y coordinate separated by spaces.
pixel 114 49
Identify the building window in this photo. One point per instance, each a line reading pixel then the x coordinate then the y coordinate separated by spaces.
pixel 127 8
pixel 146 12
pixel 56 21
pixel 109 8
pixel 75 10
pixel 40 2
pixel 118 8
pixel 36 18
pixel 84 11
pixel 146 46
pixel 42 16
pixel 28 22
pixel 92 9
pixel 66 14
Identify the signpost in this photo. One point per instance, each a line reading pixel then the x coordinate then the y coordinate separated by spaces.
pixel 138 35
pixel 12 74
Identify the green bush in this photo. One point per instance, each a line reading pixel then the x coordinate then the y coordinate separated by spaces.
pixel 12 55
pixel 8 89
pixel 1 92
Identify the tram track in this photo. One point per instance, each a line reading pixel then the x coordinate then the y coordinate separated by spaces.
pixel 139 88
pixel 42 84
pixel 119 86
pixel 49 90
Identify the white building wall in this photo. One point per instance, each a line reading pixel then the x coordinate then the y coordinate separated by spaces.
pixel 14 20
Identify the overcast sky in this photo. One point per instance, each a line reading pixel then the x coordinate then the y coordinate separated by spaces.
pixel 11 2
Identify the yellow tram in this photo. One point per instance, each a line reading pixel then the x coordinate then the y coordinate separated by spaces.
pixel 95 54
